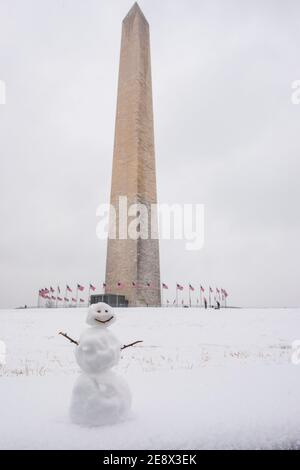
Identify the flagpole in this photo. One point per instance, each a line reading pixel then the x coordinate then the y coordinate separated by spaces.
pixel 218 295
pixel 200 297
pixel 65 296
pixel 209 298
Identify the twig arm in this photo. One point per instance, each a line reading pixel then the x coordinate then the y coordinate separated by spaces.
pixel 77 344
pixel 130 345
pixel 68 337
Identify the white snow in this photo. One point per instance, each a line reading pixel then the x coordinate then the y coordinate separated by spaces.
pixel 101 315
pixel 98 350
pixel 201 379
pixel 100 399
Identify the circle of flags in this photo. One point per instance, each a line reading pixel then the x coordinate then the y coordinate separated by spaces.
pixel 53 298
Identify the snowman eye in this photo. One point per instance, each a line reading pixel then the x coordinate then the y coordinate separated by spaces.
pixel 106 311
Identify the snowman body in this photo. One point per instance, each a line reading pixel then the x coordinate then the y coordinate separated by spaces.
pixel 99 396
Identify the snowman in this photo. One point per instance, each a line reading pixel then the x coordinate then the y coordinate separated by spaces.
pixel 100 396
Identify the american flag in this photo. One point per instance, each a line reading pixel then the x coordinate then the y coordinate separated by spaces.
pixel 164 286
pixel 82 300
pixel 202 289
pixel 65 299
pixel 69 289
pixel 58 289
pixel 210 290
pixel 225 292
pixel 74 300
pixel 59 299
pixel 53 298
pixel 217 290
pixel 191 288
pixel 93 288
pixel 79 287
pixel 44 293
pixel 179 287
pixel 51 290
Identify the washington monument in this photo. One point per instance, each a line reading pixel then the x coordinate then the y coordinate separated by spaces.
pixel 132 265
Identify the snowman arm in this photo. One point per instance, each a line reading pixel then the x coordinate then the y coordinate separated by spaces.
pixel 131 344
pixel 68 337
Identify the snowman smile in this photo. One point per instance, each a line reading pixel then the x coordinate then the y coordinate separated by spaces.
pixel 104 321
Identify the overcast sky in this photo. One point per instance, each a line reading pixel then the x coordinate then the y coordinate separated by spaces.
pixel 227 136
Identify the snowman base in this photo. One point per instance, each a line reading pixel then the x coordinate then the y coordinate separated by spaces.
pixel 99 400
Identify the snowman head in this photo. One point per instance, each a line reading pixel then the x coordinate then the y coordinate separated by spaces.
pixel 101 315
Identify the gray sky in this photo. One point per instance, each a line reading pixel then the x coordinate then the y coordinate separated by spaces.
pixel 227 136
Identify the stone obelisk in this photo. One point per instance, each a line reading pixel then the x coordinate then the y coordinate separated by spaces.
pixel 132 266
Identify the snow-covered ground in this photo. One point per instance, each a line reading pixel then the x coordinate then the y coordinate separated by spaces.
pixel 201 380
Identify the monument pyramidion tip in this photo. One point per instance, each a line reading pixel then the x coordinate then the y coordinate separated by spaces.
pixel 135 10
